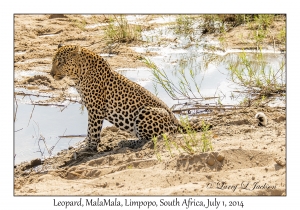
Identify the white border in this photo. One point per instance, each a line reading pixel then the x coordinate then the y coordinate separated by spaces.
pixel 137 7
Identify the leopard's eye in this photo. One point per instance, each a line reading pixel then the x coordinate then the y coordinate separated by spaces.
pixel 59 63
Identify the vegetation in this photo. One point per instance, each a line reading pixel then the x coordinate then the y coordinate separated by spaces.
pixel 256 75
pixel 225 22
pixel 119 30
pixel 190 142
pixel 158 156
pixel 185 24
pixel 186 87
pixel 78 22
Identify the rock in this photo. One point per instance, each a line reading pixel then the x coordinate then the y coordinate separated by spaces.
pixel 208 176
pixel 280 119
pixel 35 162
pixel 52 16
pixel 210 160
pixel 280 161
pixel 220 157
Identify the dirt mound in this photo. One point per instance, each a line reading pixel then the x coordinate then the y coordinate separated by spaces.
pixel 110 137
pixel 57 16
pixel 38 80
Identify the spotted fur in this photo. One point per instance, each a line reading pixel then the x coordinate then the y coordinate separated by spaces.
pixel 109 95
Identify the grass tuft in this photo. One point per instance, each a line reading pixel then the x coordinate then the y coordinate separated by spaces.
pixel 120 31
pixel 191 142
pixel 256 75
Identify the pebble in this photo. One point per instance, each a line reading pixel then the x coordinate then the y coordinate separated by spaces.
pixel 35 162
pixel 220 157
pixel 279 161
pixel 210 160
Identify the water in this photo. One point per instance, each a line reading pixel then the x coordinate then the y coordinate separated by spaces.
pixel 192 53
pixel 20 52
pixel 49 122
pixel 48 35
pixel 96 25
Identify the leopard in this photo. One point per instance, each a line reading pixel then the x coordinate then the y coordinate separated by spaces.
pixel 108 95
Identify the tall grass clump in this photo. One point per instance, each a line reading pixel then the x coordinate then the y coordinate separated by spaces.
pixel 262 27
pixel 225 22
pixel 257 75
pixel 185 87
pixel 119 30
pixel 158 156
pixel 281 36
pixel 222 23
pixel 77 22
pixel 184 24
pixel 206 136
pixel 191 142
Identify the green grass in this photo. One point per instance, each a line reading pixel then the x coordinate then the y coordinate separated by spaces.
pixel 263 21
pixel 281 36
pixel 158 156
pixel 130 167
pixel 206 136
pixel 191 142
pixel 187 86
pixel 184 24
pixel 120 31
pixel 243 71
pixel 79 23
pixel 257 75
pixel 220 24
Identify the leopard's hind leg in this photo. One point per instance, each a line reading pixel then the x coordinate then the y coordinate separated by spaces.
pixel 151 122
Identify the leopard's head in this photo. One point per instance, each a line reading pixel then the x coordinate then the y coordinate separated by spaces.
pixel 66 62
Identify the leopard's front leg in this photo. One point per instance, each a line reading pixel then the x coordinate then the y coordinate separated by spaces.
pixel 94 103
pixel 95 122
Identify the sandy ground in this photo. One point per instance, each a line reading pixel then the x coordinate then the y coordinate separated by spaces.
pixel 247 159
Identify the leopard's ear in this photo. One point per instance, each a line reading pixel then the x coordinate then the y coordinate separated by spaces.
pixel 77 50
pixel 60 45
